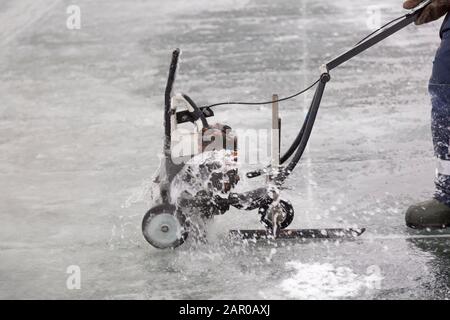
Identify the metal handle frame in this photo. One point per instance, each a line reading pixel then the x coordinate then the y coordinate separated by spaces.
pixel 302 138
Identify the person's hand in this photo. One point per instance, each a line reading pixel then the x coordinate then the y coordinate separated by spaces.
pixel 435 10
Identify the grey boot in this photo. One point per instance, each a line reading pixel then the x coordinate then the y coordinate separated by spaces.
pixel 428 214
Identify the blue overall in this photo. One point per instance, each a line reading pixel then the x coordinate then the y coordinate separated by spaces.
pixel 439 88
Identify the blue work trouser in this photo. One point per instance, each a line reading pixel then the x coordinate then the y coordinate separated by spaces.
pixel 439 88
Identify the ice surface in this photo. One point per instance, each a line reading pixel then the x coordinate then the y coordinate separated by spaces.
pixel 81 131
pixel 323 281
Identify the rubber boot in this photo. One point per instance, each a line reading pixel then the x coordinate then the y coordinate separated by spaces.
pixel 428 214
pixel 435 213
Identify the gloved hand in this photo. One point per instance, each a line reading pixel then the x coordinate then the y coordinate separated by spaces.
pixel 433 11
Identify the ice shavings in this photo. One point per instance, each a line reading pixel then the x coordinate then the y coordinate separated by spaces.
pixel 325 281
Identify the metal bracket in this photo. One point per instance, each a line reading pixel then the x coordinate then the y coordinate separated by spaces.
pixel 186 116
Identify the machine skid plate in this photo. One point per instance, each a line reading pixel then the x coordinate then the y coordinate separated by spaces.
pixel 298 234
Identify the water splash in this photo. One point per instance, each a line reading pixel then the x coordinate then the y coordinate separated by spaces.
pixel 324 281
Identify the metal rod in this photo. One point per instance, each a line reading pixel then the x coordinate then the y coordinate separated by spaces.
pixel 275 133
pixel 167 99
pixel 370 42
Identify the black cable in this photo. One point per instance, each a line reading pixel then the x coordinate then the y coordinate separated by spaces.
pixel 266 102
pixel 197 112
pixel 379 29
pixel 387 24
pixel 297 140
pixel 312 85
pixel 307 128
